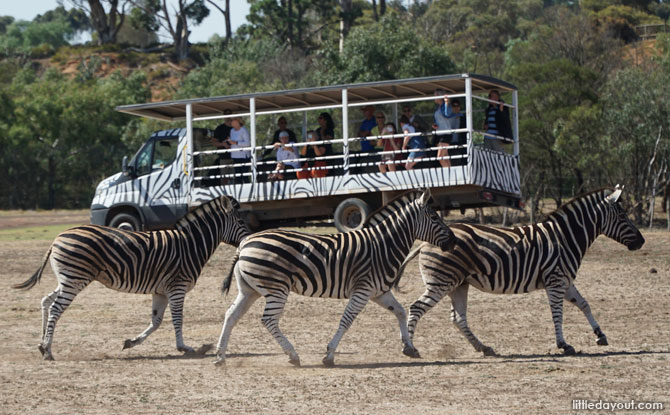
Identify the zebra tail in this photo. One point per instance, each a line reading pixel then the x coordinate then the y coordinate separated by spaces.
pixel 226 282
pixel 32 281
pixel 402 267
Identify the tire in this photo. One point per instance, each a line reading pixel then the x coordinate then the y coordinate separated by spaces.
pixel 351 214
pixel 126 221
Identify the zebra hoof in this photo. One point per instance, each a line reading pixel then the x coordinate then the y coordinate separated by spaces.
pixel 488 351
pixel 188 351
pixel 569 350
pixel 295 362
pixel 204 349
pixel 220 361
pixel 411 352
pixel 46 354
pixel 328 361
pixel 602 341
pixel 128 344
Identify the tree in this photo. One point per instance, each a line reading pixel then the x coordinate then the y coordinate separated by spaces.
pixel 154 14
pixel 226 17
pixel 106 23
pixel 296 21
pixel 388 49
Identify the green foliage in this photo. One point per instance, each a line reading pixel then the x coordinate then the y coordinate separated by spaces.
pixel 388 49
pixel 63 136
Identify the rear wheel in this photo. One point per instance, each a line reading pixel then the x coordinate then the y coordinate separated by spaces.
pixel 126 221
pixel 351 214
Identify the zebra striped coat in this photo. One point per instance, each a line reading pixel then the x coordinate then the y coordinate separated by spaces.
pixel 359 265
pixel 523 259
pixel 163 263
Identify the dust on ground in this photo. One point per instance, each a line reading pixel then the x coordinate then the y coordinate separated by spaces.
pixel 93 375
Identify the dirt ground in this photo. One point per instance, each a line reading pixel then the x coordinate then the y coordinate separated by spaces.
pixel 628 292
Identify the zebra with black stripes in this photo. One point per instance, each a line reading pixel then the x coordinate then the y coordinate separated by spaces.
pixel 359 265
pixel 164 263
pixel 523 259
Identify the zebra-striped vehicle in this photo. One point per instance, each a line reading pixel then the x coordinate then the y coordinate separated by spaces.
pixel 163 263
pixel 523 259
pixel 359 265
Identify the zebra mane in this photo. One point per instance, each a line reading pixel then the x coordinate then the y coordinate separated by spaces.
pixel 391 207
pixel 598 193
pixel 191 216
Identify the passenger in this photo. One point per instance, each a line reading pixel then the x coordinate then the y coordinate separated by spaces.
pixel 417 122
pixel 441 122
pixel 379 128
pixel 390 144
pixel 219 140
pixel 496 123
pixel 416 143
pixel 281 124
pixel 312 151
pixel 286 157
pixel 239 138
pixel 365 129
pixel 452 113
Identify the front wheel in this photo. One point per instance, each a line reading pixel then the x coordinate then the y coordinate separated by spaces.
pixel 126 221
pixel 351 214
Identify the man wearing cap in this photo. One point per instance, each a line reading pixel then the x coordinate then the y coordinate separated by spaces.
pixel 286 157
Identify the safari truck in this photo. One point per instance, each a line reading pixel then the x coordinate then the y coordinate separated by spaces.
pixel 178 169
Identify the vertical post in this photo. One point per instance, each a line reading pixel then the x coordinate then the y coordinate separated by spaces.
pixel 188 153
pixel 395 113
pixel 345 130
pixel 304 125
pixel 252 133
pixel 515 102
pixel 468 119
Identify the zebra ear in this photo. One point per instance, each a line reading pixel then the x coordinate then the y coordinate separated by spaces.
pixel 425 197
pixel 612 198
pixel 227 204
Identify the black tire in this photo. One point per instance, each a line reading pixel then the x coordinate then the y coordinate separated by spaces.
pixel 351 214
pixel 126 221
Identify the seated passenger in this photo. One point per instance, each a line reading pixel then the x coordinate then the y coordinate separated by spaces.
pixel 390 144
pixel 310 152
pixel 286 158
pixel 281 123
pixel 415 143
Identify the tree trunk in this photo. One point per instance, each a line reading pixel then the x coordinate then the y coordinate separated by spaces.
pixel 382 7
pixel 181 44
pixel 103 23
pixel 374 10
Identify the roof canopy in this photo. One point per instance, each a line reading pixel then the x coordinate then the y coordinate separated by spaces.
pixel 316 97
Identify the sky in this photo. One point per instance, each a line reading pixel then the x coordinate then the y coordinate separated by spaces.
pixel 213 24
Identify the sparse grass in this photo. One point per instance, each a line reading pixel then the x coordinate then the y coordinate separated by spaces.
pixel 33 233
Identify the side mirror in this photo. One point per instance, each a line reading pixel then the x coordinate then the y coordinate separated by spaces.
pixel 126 168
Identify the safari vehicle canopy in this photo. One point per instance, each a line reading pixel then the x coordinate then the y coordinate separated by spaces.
pixel 179 168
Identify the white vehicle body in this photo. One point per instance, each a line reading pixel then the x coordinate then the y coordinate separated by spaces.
pixel 168 175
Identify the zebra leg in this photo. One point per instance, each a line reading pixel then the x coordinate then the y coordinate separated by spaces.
pixel 274 307
pixel 459 310
pixel 389 302
pixel 433 294
pixel 46 303
pixel 176 301
pixel 576 298
pixel 556 294
pixel 246 296
pixel 159 303
pixel 65 294
pixel 355 306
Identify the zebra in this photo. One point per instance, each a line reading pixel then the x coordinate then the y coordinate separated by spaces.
pixel 523 259
pixel 163 263
pixel 359 265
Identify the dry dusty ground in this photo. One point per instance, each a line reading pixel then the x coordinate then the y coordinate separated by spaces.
pixel 93 375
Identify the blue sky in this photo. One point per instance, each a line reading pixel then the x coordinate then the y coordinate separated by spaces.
pixel 213 24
